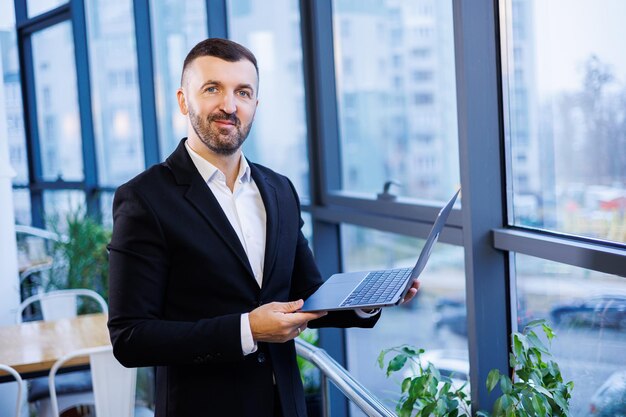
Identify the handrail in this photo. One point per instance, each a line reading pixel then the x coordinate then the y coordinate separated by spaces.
pixel 343 380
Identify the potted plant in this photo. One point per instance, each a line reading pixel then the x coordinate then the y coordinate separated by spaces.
pixel 537 388
pixel 81 259
pixel 310 376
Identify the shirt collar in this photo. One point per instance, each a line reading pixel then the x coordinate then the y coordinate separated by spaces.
pixel 208 171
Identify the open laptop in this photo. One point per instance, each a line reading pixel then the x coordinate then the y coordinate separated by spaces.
pixel 374 289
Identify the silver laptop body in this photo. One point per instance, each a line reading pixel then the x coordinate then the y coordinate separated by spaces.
pixel 374 289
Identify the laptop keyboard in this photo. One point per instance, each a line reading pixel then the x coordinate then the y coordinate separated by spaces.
pixel 377 287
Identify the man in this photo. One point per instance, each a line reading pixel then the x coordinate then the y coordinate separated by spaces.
pixel 208 266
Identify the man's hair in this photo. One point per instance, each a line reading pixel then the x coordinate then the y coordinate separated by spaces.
pixel 220 48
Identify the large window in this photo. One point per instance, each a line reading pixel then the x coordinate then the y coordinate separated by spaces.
pixel 176 28
pixel 271 30
pixel 58 119
pixel 435 321
pixel 588 312
pixel 114 90
pixel 566 84
pixel 396 94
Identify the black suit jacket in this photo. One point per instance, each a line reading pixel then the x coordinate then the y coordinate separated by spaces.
pixel 180 280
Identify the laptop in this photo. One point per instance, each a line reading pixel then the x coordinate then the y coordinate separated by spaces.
pixel 374 289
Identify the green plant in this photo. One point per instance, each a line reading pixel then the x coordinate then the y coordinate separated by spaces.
pixel 81 260
pixel 538 389
pixel 427 392
pixel 309 373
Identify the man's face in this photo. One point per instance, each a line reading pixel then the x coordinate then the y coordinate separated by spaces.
pixel 220 100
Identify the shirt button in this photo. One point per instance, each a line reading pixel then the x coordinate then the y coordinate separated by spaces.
pixel 261 357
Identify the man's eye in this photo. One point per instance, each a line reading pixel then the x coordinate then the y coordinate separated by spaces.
pixel 211 89
pixel 243 93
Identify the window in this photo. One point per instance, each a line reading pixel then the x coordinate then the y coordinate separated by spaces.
pixel 37 7
pixel 114 90
pixel 381 156
pixel 587 310
pixel 59 123
pixel 436 320
pixel 567 117
pixel 279 134
pixel 176 28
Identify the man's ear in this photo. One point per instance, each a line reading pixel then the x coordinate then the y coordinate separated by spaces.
pixel 182 104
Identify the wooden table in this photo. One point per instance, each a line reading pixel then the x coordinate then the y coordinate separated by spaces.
pixel 32 348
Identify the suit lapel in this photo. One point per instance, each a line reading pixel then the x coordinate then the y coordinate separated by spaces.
pixel 270 201
pixel 200 196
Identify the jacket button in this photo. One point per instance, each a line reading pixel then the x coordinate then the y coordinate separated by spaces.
pixel 261 357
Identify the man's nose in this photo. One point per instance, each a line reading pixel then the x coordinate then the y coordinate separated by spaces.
pixel 228 103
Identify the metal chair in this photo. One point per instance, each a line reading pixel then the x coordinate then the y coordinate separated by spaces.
pixel 113 385
pixel 60 304
pixel 74 388
pixel 20 383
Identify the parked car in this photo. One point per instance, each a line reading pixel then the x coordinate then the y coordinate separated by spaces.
pixel 452 314
pixel 610 399
pixel 598 311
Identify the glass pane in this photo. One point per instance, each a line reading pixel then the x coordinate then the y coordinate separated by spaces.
pixel 587 309
pixel 437 318
pixel 106 208
pixel 10 92
pixel 37 7
pixel 566 83
pixel 115 90
pixel 21 207
pixel 58 119
pixel 58 205
pixel 396 93
pixel 176 28
pixel 271 30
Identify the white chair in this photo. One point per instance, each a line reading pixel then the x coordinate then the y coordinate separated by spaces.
pixel 75 388
pixel 113 385
pixel 60 304
pixel 20 383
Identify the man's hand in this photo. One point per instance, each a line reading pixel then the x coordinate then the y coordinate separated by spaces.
pixel 412 292
pixel 279 322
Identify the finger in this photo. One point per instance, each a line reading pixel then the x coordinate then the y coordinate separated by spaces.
pixel 305 317
pixel 289 306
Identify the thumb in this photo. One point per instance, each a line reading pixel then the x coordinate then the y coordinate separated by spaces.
pixel 291 306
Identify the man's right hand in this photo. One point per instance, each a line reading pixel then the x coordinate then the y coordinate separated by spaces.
pixel 279 322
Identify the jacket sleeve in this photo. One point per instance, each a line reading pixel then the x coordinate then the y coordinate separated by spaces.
pixel 139 268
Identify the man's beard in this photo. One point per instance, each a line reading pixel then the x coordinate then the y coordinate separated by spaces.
pixel 219 140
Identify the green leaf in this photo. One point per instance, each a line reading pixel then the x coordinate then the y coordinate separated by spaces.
pixel 396 363
pixel 381 358
pixel 549 332
pixel 533 323
pixel 505 384
pixel 492 379
pixel 411 352
pixel 543 391
pixel 536 342
pixel 406 384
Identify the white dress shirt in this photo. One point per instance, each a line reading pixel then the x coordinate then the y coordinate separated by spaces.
pixel 246 213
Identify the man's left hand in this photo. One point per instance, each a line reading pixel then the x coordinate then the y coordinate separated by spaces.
pixel 412 292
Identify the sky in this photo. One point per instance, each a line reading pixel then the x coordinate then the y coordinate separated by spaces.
pixel 567 32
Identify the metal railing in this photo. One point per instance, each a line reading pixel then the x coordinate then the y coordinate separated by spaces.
pixel 343 380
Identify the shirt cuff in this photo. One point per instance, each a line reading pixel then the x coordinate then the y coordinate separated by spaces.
pixel 248 345
pixel 366 315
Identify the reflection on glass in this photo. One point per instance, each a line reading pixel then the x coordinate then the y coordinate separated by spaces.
pixel 58 119
pixel 435 320
pixel 271 30
pixel 58 205
pixel 587 310
pixel 566 88
pixel 115 91
pixel 396 92
pixel 176 28
pixel 37 7
pixel 21 207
